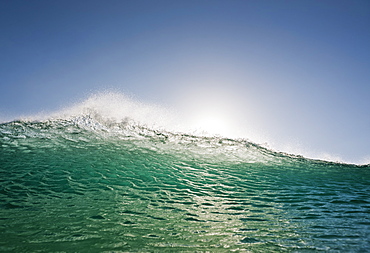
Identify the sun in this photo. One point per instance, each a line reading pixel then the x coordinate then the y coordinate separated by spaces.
pixel 214 124
pixel 210 108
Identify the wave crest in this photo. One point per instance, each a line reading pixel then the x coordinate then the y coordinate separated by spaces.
pixel 91 129
pixel 115 117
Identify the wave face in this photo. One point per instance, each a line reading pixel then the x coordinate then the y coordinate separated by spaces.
pixel 84 184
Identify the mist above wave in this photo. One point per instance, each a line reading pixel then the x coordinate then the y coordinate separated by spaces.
pixel 112 108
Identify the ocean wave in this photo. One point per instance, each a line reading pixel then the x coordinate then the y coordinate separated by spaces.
pixel 89 180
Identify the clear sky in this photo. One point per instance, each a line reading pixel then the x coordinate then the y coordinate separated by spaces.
pixel 296 73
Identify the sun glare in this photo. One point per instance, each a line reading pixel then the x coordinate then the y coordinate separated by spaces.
pixel 213 124
pixel 210 109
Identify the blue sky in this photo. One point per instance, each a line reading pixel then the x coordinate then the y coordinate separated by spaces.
pixel 295 72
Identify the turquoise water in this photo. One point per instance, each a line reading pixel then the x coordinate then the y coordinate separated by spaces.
pixel 80 185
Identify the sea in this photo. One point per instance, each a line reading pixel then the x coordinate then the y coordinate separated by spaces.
pixel 83 182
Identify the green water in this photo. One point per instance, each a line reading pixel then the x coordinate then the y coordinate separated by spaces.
pixel 79 186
